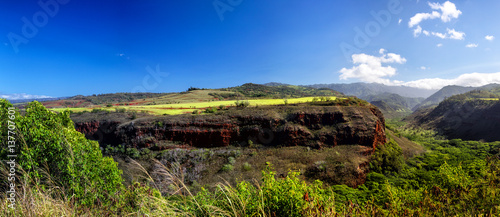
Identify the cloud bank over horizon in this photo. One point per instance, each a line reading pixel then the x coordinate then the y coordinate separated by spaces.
pixel 370 69
pixel 17 96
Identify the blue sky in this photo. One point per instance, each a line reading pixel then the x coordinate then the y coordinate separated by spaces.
pixel 71 47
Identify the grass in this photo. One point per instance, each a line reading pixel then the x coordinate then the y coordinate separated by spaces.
pixel 189 107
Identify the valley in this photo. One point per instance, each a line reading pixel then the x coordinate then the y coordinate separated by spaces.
pixel 233 108
pixel 369 153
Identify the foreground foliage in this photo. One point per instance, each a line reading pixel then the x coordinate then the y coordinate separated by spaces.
pixel 60 173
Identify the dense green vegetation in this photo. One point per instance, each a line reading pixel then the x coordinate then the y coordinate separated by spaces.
pixel 60 173
pixel 111 98
pixel 453 177
pixel 281 91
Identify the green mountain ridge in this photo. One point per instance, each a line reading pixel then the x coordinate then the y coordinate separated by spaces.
pixel 474 115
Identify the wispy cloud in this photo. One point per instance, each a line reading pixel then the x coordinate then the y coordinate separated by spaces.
pixel 439 45
pixel 489 37
pixel 446 12
pixel 471 45
pixel 419 17
pixel 450 34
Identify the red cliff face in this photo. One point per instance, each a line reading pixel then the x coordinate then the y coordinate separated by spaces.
pixel 102 131
pixel 315 126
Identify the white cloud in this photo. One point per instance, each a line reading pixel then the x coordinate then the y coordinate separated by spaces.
pixel 369 68
pixel 22 96
pixel 455 34
pixel 471 45
pixel 440 35
pixel 423 67
pixel 470 80
pixel 400 20
pixel 419 17
pixel 489 37
pixel 439 45
pixel 451 34
pixel 417 31
pixel 448 10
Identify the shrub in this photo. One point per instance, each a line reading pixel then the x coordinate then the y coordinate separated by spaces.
pixel 133 153
pixel 210 110
pixel 247 166
pixel 387 158
pixel 121 110
pixel 242 104
pixel 231 160
pixel 51 149
pixel 250 144
pixel 227 168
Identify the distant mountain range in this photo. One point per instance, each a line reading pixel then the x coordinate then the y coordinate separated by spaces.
pixel 23 97
pixel 442 94
pixel 362 90
pixel 396 101
pixel 449 91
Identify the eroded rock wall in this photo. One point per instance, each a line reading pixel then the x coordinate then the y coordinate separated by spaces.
pixel 315 126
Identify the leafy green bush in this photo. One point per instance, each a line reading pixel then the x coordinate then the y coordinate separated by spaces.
pixel 231 160
pixel 387 158
pixel 133 153
pixel 247 166
pixel 210 110
pixel 51 149
pixel 227 168
pixel 287 196
pixel 242 104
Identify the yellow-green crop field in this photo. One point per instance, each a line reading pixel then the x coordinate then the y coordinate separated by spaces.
pixel 182 108
pixel 490 99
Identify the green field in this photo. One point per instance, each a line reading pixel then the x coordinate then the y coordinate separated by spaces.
pixel 182 108
pixel 490 99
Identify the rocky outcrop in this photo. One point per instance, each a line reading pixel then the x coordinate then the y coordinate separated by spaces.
pixel 102 131
pixel 315 126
